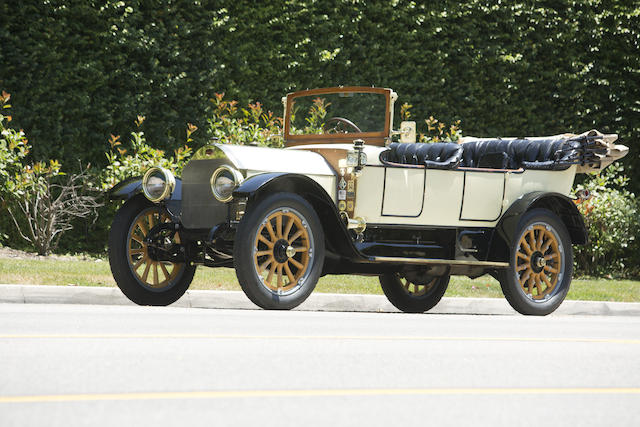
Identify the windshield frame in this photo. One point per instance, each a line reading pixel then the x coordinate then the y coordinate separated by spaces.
pixel 371 138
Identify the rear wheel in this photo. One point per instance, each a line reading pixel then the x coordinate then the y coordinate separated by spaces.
pixel 541 264
pixel 279 251
pixel 415 295
pixel 142 279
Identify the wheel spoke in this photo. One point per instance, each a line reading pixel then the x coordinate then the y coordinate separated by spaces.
pixel 263 253
pixel 137 239
pixel 136 251
pixel 142 227
pixel 287 229
pixel 165 272
pixel 550 269
pixel 270 275
pixel 145 274
pixel 296 263
pixel 287 270
pixel 295 236
pixel 155 273
pixel 548 257
pixel 150 218
pixel 266 241
pixel 279 226
pixel 270 230
pixel 301 249
pixel 264 265
pixel 139 263
pixel 524 278
pixel 523 256
pixel 522 267
pixel 279 270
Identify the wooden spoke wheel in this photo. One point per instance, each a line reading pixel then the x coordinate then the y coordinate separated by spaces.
pixel 279 251
pixel 418 289
pixel 154 274
pixel 142 278
pixel 541 264
pixel 282 250
pixel 413 296
pixel 539 261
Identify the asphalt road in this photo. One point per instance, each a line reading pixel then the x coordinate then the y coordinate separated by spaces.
pixel 65 365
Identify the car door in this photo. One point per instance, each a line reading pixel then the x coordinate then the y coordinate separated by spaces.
pixel 403 192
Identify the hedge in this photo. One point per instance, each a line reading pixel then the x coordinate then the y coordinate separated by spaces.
pixel 79 70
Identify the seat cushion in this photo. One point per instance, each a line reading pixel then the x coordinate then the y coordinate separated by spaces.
pixel 439 155
pixel 513 153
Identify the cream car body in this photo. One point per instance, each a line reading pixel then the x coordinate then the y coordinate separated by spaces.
pixel 343 197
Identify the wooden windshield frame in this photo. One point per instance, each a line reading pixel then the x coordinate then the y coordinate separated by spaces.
pixel 371 138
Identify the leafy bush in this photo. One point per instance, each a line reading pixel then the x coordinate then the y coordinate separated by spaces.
pixel 251 125
pixel 39 199
pixel 611 216
pixel 124 163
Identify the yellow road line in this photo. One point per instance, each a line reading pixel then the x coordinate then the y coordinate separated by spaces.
pixel 317 337
pixel 312 393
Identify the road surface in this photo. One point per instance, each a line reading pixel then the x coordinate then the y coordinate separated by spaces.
pixel 65 365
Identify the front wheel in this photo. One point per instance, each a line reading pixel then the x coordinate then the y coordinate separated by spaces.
pixel 415 295
pixel 541 264
pixel 279 251
pixel 142 279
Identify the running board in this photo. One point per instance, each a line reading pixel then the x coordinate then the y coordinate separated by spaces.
pixel 429 261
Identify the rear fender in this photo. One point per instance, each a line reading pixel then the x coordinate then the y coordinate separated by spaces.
pixel 557 203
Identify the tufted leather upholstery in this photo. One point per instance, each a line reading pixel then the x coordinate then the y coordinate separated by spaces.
pixel 552 153
pixel 438 155
pixel 530 153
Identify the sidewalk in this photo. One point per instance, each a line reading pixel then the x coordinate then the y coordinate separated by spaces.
pixel 36 294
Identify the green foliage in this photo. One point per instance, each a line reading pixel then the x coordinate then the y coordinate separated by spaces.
pixel 123 164
pixel 252 125
pixel 611 216
pixel 39 201
pixel 81 67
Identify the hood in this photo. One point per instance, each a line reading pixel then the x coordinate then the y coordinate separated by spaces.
pixel 265 159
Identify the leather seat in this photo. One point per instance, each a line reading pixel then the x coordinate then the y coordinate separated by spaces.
pixel 441 155
pixel 552 153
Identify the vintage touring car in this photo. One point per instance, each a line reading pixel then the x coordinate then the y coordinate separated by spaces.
pixel 343 197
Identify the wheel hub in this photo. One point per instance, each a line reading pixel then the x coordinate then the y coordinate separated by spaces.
pixel 538 262
pixel 281 251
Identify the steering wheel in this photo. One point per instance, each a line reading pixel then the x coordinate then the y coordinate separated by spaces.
pixel 327 128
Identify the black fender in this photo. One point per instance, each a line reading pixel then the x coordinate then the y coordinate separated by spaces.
pixel 128 188
pixel 336 234
pixel 559 204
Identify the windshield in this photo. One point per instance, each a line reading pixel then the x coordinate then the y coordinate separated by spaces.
pixel 337 113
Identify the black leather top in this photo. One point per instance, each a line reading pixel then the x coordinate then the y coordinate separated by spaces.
pixel 552 153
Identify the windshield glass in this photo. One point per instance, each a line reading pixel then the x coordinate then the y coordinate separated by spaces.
pixel 337 113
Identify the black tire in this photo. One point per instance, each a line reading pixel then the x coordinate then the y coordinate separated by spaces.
pixel 424 297
pixel 255 247
pixel 538 278
pixel 137 275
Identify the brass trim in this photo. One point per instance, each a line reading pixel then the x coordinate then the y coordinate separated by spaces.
pixel 237 180
pixel 169 184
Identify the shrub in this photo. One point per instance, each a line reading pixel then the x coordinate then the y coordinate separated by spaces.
pixel 611 216
pixel 244 126
pixel 40 199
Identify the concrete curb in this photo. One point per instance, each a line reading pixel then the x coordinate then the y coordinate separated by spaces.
pixel 37 294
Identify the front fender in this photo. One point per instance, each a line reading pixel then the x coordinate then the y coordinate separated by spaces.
pixel 336 233
pixel 128 188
